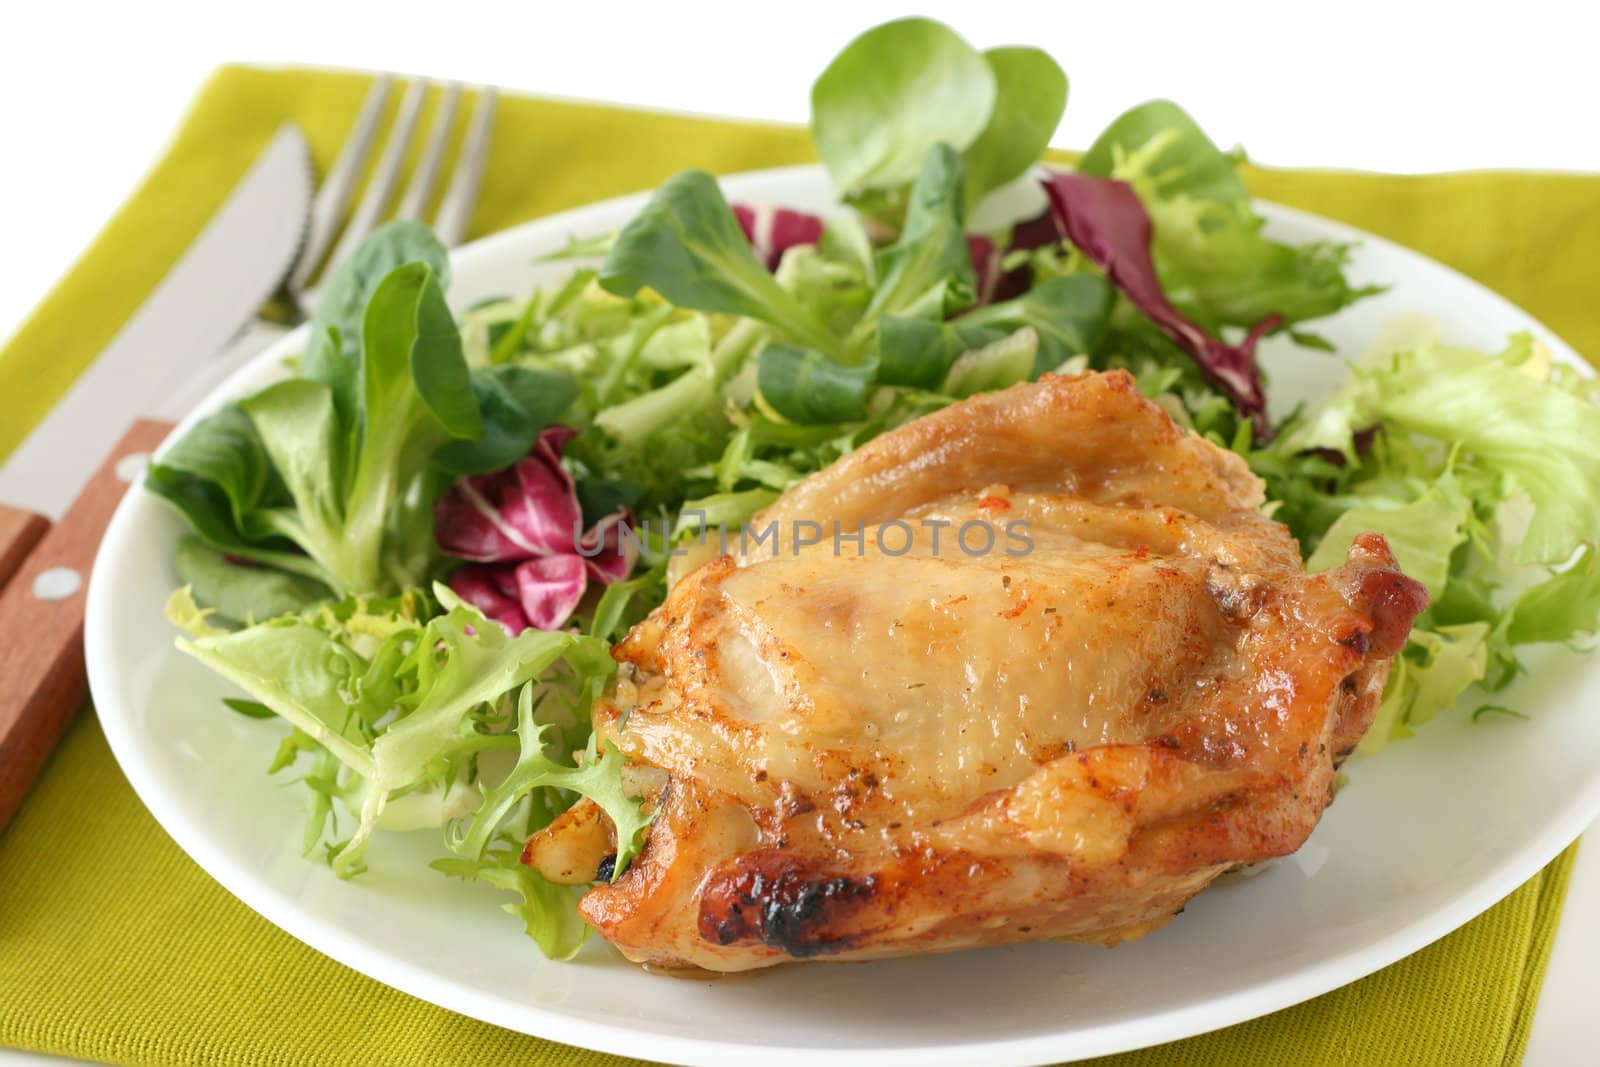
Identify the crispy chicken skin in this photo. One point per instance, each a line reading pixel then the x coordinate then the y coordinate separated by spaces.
pixel 857 752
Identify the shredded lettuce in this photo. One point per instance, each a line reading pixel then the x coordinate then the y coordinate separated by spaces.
pixel 1539 435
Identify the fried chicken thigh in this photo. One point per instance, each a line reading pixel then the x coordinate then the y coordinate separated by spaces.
pixel 899 743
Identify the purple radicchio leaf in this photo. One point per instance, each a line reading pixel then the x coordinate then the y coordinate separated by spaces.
pixel 523 526
pixel 526 510
pixel 1107 222
pixel 772 231
pixel 492 591
pixel 1026 235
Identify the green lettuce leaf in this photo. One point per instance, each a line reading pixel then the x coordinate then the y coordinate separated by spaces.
pixel 598 778
pixel 239 594
pixel 891 95
pixel 331 475
pixel 549 912
pixel 1537 434
pixel 1423 534
pixel 808 387
pixel 930 254
pixel 1069 314
pixel 1564 606
pixel 994 366
pixel 687 245
pixel 342 304
pixel 1479 471
pixel 1175 150
pixel 1428 677
pixel 1030 97
pixel 918 352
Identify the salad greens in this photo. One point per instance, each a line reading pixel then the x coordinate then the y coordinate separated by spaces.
pixel 1215 264
pixel 397 705
pixel 1481 475
pixel 416 549
pixel 331 475
pixel 687 246
pixel 902 89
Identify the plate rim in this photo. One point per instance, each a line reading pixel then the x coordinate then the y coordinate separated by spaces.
pixel 1262 997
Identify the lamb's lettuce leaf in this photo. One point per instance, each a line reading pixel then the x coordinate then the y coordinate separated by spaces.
pixel 891 95
pixel 687 245
pixel 331 475
pixel 930 254
pixel 1174 150
pixel 904 87
pixel 1030 97
pixel 996 365
pixel 1069 314
pixel 241 592
pixel 918 352
pixel 342 304
pixel 807 387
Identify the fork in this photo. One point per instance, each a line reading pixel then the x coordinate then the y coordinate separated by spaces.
pixel 455 207
pixel 330 226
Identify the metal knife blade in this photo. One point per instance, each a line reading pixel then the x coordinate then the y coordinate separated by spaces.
pixel 216 287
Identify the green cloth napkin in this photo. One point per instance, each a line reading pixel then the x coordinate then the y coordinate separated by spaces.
pixel 115 946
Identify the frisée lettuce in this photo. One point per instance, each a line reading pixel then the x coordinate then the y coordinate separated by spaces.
pixel 1480 471
pixel 396 706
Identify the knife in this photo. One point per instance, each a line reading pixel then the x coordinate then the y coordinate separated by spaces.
pixel 174 346
pixel 215 288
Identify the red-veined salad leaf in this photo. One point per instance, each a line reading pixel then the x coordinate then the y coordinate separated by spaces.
pixel 772 231
pixel 524 528
pixel 1106 221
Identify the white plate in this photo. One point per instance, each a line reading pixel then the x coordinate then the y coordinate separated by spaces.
pixel 1423 839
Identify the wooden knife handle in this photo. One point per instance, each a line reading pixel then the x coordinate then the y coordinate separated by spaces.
pixel 42 681
pixel 19 532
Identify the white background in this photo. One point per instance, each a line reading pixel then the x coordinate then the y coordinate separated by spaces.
pixel 89 94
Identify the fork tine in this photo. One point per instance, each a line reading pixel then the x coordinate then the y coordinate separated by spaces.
pixel 421 185
pixel 340 186
pixel 380 190
pixel 455 209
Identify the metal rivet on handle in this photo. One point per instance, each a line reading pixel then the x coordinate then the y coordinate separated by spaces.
pixel 57 583
pixel 130 468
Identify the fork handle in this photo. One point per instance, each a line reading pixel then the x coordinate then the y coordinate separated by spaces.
pixel 42 679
